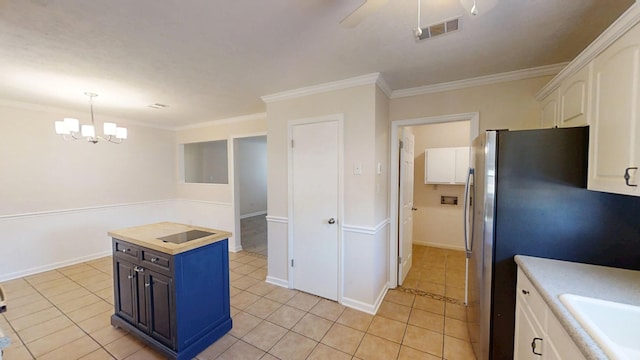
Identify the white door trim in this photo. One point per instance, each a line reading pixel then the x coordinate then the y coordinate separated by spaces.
pixel 233 181
pixel 473 117
pixel 340 220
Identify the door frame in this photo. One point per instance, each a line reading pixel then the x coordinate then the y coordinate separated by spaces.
pixel 235 198
pixel 340 220
pixel 394 173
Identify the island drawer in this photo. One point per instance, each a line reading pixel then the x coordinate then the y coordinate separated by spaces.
pixel 125 250
pixel 157 261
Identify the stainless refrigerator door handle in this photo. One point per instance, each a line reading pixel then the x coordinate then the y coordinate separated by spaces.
pixel 472 209
pixel 467 186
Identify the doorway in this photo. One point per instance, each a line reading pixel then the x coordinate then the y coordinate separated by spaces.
pixel 397 242
pixel 315 155
pixel 250 192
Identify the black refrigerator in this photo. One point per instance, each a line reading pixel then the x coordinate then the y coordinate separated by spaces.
pixel 526 194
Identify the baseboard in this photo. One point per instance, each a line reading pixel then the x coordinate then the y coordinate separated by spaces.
pixel 436 245
pixel 364 307
pixel 39 269
pixel 253 214
pixel 275 281
pixel 236 249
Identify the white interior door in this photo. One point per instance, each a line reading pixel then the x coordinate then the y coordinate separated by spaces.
pixel 405 235
pixel 315 182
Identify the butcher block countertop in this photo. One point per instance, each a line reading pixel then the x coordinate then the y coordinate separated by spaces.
pixel 148 236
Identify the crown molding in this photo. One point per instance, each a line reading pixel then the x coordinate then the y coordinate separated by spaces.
pixel 382 84
pixel 235 119
pixel 21 105
pixel 374 78
pixel 546 70
pixel 619 27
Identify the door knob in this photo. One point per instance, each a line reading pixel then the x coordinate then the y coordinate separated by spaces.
pixel 332 221
pixel 414 209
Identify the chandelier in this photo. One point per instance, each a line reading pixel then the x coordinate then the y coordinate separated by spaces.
pixel 70 129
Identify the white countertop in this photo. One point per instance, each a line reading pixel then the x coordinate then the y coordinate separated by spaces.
pixel 553 278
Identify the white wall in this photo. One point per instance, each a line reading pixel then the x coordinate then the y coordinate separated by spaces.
pixel 364 247
pixel 435 224
pixel 41 172
pixel 212 205
pixel 59 199
pixel 251 168
pixel 509 105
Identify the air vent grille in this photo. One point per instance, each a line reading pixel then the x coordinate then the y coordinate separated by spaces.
pixel 440 28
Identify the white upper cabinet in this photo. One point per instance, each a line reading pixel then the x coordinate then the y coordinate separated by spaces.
pixel 614 155
pixel 601 88
pixel 446 165
pixel 549 111
pixel 573 99
pixel 567 106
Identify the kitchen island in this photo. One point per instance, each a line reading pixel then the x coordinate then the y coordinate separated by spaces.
pixel 171 286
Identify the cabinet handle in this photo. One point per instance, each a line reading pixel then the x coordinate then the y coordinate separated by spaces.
pixel 533 345
pixel 526 292
pixel 147 284
pixel 332 221
pixel 138 269
pixel 129 277
pixel 154 260
pixel 124 250
pixel 627 176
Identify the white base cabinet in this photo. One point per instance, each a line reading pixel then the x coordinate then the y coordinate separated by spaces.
pixel 538 334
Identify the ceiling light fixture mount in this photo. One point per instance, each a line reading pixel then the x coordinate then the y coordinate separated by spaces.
pixel 417 32
pixel 474 9
pixel 70 128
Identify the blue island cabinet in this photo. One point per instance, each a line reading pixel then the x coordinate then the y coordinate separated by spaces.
pixel 177 304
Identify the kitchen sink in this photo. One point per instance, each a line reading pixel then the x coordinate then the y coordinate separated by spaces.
pixel 612 325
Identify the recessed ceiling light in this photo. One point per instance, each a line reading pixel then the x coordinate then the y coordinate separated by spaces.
pixel 158 106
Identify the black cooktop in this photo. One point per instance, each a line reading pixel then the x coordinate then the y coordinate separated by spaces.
pixel 183 237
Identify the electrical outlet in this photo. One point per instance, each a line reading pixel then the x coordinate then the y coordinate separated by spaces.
pixel 357 169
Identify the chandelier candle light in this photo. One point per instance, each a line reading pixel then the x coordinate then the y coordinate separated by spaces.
pixel 70 129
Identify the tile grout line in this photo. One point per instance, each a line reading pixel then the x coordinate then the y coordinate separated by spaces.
pixel 65 314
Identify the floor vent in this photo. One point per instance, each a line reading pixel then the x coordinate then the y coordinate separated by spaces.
pixel 440 28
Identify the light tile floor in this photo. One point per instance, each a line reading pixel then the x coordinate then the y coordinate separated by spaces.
pixel 64 314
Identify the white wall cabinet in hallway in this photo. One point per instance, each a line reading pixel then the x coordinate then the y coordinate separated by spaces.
pixel 446 165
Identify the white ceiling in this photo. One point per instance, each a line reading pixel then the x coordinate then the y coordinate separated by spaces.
pixel 212 60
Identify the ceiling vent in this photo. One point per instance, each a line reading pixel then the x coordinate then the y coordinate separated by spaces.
pixel 439 29
pixel 158 106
